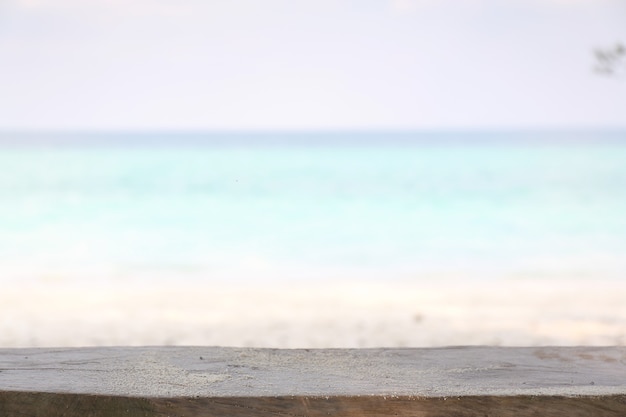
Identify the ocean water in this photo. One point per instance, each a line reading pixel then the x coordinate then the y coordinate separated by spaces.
pixel 313 207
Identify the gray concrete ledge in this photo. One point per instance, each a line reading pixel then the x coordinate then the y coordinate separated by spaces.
pixel 212 381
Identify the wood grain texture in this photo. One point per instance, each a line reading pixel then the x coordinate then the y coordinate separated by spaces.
pixel 199 381
pixel 70 405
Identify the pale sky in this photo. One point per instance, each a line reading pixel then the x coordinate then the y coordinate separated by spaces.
pixel 308 64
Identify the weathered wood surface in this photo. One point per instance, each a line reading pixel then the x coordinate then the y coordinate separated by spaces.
pixel 208 381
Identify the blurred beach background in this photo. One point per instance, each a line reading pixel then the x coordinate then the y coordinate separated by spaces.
pixel 326 174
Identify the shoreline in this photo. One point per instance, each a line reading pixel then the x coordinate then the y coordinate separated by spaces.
pixel 343 314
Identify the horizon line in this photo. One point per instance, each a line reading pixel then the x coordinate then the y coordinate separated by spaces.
pixel 223 131
pixel 307 138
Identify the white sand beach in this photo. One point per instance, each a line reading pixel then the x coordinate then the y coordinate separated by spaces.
pixel 519 312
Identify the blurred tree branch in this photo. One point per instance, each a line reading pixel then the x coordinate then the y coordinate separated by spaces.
pixel 610 61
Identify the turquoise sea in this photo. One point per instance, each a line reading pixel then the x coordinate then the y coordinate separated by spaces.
pixel 383 206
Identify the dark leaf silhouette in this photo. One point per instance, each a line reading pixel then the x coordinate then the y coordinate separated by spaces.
pixel 611 61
